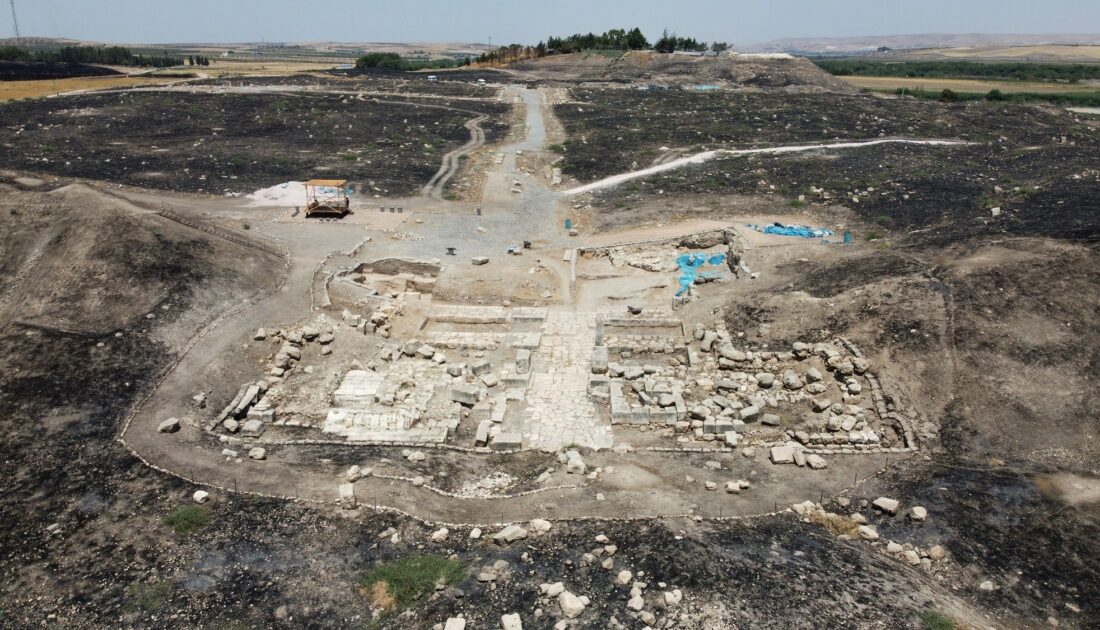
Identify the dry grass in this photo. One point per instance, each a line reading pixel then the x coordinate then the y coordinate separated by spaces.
pixel 835 524
pixel 222 67
pixel 965 85
pixel 15 90
pixel 380 596
pixel 1030 53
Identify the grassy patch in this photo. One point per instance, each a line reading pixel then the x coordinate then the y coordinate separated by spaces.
pixel 147 597
pixel 935 620
pixel 188 519
pixel 394 586
pixel 796 203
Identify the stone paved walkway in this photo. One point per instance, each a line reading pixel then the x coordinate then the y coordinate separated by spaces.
pixel 558 412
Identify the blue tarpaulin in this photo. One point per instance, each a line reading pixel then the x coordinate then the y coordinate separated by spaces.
pixel 792 230
pixel 689 265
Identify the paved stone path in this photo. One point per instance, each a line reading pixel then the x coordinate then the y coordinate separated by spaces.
pixel 558 411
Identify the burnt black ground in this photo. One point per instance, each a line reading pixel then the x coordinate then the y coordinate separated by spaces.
pixel 33 70
pixel 267 563
pixel 624 129
pixel 236 143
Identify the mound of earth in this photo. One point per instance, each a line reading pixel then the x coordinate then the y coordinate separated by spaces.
pixel 675 69
pixel 31 70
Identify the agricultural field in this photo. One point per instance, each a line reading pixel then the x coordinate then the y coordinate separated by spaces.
pixel 17 90
pixel 967 85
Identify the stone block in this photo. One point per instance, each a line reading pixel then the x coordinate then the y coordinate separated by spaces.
pixel 782 455
pixel 482 436
pixel 252 428
pixel 507 441
pixel 347 496
pixel 480 366
pixel 464 394
pixel 523 361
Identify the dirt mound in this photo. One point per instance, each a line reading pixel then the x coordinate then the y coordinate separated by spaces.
pixel 81 261
pixel 675 69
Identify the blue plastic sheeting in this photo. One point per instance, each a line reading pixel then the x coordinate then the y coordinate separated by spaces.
pixel 690 265
pixel 792 230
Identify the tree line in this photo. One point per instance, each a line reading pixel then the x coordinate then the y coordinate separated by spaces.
pixel 108 55
pixel 394 61
pixel 196 60
pixel 613 40
pixel 1044 72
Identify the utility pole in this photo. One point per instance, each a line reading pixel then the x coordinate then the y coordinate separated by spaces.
pixel 15 22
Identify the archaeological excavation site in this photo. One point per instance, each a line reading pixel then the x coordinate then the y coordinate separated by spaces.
pixel 577 340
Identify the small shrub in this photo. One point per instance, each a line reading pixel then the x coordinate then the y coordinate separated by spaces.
pixel 246 225
pixel 948 96
pixel 995 95
pixel 835 524
pixel 935 620
pixel 796 203
pixel 883 220
pixel 873 236
pixel 394 586
pixel 188 519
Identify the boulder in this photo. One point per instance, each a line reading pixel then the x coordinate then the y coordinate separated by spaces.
pixel 440 535
pixel 511 622
pixel 816 462
pixel 200 496
pixel 867 532
pixel 571 605
pixel 552 590
pixel 479 260
pixel 455 623
pixel 480 366
pixel 540 525
pixel 509 534
pixel 574 464
pixel 765 380
pixel 673 597
pixel 886 505
pixel 624 577
pixel 918 513
pixel 770 419
pixel 750 413
pixel 260 334
pixel 171 425
pixel 257 453
pixel 813 375
pixel 707 342
pixel 791 380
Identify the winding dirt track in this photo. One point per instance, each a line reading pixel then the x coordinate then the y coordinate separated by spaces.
pixel 451 161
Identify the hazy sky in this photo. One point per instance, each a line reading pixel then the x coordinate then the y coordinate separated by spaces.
pixel 525 21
